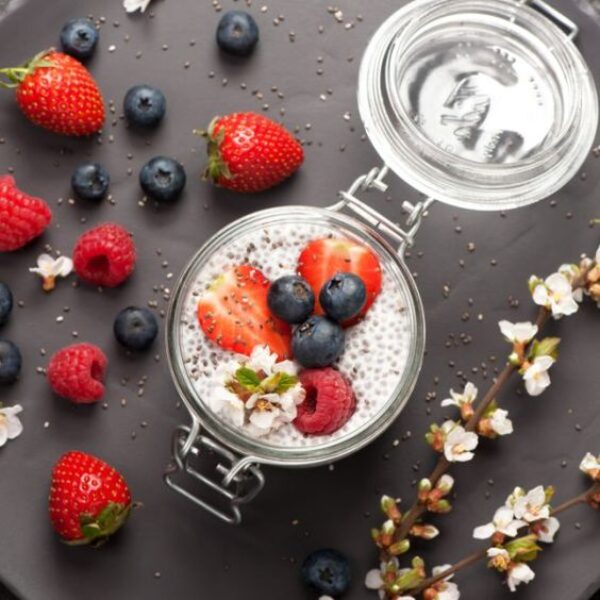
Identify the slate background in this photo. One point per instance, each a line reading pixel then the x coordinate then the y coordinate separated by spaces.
pixel 196 555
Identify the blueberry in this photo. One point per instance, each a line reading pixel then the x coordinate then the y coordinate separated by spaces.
pixel 6 303
pixel 327 572
pixel 79 37
pixel 135 328
pixel 237 33
pixel 10 362
pixel 144 106
pixel 343 296
pixel 90 181
pixel 318 342
pixel 291 299
pixel 163 179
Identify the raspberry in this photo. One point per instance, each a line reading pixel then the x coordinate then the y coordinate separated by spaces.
pixel 22 217
pixel 77 373
pixel 104 255
pixel 329 402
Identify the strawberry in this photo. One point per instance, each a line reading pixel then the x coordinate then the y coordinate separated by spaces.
pixel 321 259
pixel 250 153
pixel 89 500
pixel 57 92
pixel 22 217
pixel 233 313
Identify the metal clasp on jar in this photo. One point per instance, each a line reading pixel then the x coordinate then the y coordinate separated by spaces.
pixel 374 180
pixel 238 482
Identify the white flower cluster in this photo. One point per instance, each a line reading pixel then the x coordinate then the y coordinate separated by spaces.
pixel 258 394
pixel 521 509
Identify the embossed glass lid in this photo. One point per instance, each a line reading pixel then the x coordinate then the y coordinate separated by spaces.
pixel 484 104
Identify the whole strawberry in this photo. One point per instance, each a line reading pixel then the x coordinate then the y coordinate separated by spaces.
pixel 22 217
pixel 250 153
pixel 55 91
pixel 89 500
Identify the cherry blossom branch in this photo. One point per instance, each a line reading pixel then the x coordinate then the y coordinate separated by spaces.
pixel 418 509
pixel 475 557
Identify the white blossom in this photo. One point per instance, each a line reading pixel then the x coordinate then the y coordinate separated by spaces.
pixel 459 444
pixel 468 396
pixel 10 424
pixel 555 294
pixel 49 269
pixel 519 573
pixel 446 590
pixel 536 376
pixel 500 422
pixel 547 529
pixel 590 465
pixel 503 522
pixel 518 333
pixel 133 5
pixel 495 552
pixel 532 506
pixel 499 558
pixel 374 579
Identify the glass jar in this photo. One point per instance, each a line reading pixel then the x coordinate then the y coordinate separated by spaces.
pixel 482 104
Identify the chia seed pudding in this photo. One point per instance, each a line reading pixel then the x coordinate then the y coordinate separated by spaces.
pixel 376 349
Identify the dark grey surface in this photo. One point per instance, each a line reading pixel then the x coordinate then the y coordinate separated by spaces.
pixel 198 557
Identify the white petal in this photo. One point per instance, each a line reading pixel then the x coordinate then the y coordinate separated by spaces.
pixel 63 266
pixel 589 463
pixel 493 552
pixel 500 422
pixel 520 573
pixel 373 580
pixel 14 427
pixel 449 402
pixel 3 435
pixel 440 569
pixel 507 329
pixel 558 283
pixel 264 419
pixel 45 263
pixel 483 532
pixel 549 528
pixel 540 295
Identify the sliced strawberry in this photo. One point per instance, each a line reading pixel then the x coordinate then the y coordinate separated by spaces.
pixel 233 313
pixel 321 259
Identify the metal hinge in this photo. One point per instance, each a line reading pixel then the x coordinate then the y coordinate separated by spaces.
pixel 239 479
pixel 374 180
pixel 558 18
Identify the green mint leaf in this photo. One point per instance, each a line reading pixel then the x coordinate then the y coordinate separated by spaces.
pixel 248 378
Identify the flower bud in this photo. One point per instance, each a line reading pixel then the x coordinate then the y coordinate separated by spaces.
pixel 389 508
pixel 424 485
pixel 424 531
pixel 445 484
pixel 401 547
pixel 440 507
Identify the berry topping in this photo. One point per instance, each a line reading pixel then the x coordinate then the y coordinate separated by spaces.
pixel 318 342
pixel 291 299
pixel 22 217
pixel 250 153
pixel 163 179
pixel 55 91
pixel 105 255
pixel 10 362
pixel 237 33
pixel 77 373
pixel 233 313
pixel 323 258
pixel 135 328
pixel 6 303
pixel 90 181
pixel 144 106
pixel 343 296
pixel 89 500
pixel 79 37
pixel 327 572
pixel 328 404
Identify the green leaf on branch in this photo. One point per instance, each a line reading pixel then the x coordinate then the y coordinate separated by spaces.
pixel 545 347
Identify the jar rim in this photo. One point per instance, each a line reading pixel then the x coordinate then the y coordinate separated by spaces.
pixel 333 449
pixel 444 175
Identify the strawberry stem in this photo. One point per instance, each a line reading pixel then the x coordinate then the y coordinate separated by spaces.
pixel 14 76
pixel 216 167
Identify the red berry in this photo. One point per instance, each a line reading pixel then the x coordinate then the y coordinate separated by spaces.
pixel 105 255
pixel 77 373
pixel 250 153
pixel 321 259
pixel 329 402
pixel 233 313
pixel 57 92
pixel 89 500
pixel 22 217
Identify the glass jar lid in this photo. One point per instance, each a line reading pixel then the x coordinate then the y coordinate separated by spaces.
pixel 482 104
